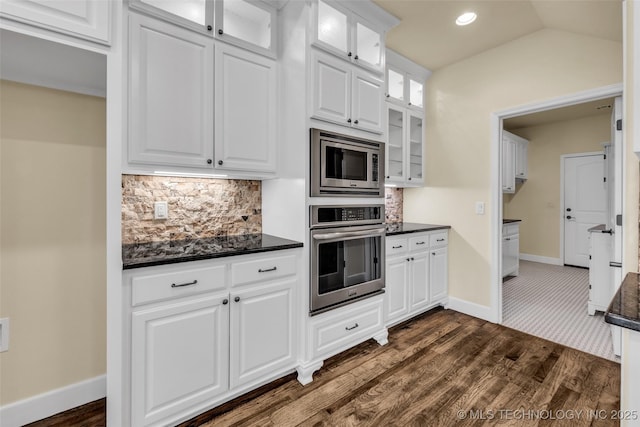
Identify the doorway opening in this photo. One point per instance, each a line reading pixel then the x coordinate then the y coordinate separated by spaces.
pixel 533 213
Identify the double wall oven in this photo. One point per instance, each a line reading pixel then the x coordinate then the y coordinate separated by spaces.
pixel 346 239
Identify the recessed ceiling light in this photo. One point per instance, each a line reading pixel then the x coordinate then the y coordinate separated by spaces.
pixel 466 18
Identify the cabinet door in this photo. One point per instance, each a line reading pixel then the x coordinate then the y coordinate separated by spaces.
pixel 331 89
pixel 245 111
pixel 179 357
pixel 508 165
pixel 419 280
pixel 366 102
pixel 369 45
pixel 261 332
pixel 396 288
pixel 171 95
pixel 194 14
pixel 395 147
pixel 332 28
pixel 438 277
pixel 521 170
pixel 416 96
pixel 395 85
pixel 249 24
pixel 510 254
pixel 415 138
pixel 87 19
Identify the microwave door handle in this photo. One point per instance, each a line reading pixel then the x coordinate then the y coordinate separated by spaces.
pixel 348 234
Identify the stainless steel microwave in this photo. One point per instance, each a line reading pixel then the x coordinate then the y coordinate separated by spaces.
pixel 343 165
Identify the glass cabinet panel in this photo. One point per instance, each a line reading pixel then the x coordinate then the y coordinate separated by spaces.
pixel 248 22
pixel 395 85
pixel 415 93
pixel 415 147
pixel 191 10
pixel 395 148
pixel 332 27
pixel 368 45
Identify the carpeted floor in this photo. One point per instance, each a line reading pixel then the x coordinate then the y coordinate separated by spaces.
pixel 550 302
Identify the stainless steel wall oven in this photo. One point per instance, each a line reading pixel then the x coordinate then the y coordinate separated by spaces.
pixel 347 255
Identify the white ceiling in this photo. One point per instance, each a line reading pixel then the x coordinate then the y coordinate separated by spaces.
pixel 427 33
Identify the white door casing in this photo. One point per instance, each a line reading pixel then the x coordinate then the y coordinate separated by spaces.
pixel 585 204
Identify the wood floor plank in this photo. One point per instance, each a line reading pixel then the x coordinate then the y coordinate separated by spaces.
pixel 440 369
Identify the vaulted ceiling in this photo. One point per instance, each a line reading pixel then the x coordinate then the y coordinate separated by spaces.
pixel 428 35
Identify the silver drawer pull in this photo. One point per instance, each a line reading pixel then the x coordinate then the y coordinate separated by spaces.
pixel 268 269
pixel 351 328
pixel 507 238
pixel 439 240
pixel 420 243
pixel 396 247
pixel 173 285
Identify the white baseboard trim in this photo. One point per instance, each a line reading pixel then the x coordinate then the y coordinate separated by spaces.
pixel 471 308
pixel 52 402
pixel 542 259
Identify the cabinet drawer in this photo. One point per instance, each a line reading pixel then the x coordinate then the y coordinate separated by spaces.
pixel 420 242
pixel 510 230
pixel 346 328
pixel 439 239
pixel 176 284
pixel 262 269
pixel 395 246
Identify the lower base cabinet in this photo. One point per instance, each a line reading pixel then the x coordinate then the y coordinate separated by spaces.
pixel 511 249
pixel 416 274
pixel 219 331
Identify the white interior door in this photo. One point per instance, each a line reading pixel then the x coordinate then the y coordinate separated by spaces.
pixel 585 204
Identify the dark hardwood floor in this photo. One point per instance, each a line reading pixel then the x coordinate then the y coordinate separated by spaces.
pixel 442 368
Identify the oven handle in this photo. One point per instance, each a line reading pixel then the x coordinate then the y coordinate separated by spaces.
pixel 347 234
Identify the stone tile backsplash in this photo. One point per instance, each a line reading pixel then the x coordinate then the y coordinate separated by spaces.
pixel 393 204
pixel 198 207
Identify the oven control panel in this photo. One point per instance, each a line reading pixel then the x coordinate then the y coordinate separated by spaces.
pixel 346 215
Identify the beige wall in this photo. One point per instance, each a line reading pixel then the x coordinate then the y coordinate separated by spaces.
pixel 537 201
pixel 52 225
pixel 460 100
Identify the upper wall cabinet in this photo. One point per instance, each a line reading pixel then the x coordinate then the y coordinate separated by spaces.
pixel 348 35
pixel 245 23
pixel 405 81
pixel 514 161
pixel 85 19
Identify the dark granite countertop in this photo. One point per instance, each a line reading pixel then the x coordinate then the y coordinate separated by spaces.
pixel 624 309
pixel 147 254
pixel 394 228
pixel 510 221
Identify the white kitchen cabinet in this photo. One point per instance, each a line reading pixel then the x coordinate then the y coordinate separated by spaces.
pixel 405 81
pixel 416 274
pixel 261 331
pixel 202 334
pixel 340 31
pixel 600 289
pixel 245 134
pixel 345 95
pixel 170 95
pixel 404 148
pixel 85 19
pixel 510 249
pixel 514 161
pixel 179 356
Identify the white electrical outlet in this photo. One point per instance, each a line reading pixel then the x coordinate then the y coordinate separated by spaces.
pixel 4 334
pixel 479 208
pixel 160 210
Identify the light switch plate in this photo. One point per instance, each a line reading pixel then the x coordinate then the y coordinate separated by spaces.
pixel 4 334
pixel 160 210
pixel 479 208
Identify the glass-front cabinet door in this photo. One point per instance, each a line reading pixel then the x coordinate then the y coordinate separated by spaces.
pixel 368 48
pixel 395 85
pixel 333 31
pixel 415 139
pixel 250 24
pixel 416 98
pixel 395 145
pixel 195 14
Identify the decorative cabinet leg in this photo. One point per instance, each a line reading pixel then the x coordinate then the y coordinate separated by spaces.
pixel 305 372
pixel 381 338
